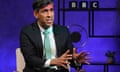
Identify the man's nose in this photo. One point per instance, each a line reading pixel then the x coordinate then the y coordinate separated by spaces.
pixel 49 14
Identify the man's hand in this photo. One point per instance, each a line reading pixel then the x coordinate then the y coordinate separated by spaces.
pixel 62 60
pixel 80 57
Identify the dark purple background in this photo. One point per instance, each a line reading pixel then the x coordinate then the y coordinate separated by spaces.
pixel 17 13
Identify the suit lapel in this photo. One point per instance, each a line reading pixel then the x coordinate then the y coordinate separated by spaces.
pixel 57 39
pixel 38 39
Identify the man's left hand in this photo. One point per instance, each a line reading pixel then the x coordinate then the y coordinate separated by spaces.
pixel 81 57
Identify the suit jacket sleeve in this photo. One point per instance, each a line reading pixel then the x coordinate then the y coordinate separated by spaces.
pixel 28 50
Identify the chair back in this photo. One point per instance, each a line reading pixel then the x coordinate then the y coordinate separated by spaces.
pixel 19 60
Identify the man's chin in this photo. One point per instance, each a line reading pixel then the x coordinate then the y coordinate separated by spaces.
pixel 47 25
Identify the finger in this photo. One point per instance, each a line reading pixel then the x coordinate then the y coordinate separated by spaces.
pixel 66 52
pixel 74 50
pixel 64 66
pixel 68 55
pixel 66 62
pixel 68 58
pixel 79 54
pixel 88 58
pixel 87 62
pixel 82 54
pixel 83 58
pixel 85 53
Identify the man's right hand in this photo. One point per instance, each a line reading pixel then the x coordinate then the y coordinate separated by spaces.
pixel 62 60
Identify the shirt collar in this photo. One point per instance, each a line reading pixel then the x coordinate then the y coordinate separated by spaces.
pixel 42 29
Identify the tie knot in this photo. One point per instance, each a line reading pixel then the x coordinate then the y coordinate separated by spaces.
pixel 46 32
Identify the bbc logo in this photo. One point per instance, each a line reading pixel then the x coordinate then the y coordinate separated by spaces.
pixel 84 4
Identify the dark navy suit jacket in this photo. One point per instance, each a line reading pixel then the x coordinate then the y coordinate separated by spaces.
pixel 32 47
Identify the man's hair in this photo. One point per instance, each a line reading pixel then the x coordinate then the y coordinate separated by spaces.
pixel 38 4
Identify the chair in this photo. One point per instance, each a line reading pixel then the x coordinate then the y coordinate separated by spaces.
pixel 21 63
pixel 19 60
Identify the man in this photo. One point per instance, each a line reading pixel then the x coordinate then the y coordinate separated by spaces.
pixel 35 43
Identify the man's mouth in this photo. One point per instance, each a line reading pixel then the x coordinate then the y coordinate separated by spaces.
pixel 49 20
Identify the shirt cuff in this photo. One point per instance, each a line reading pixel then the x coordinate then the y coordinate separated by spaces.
pixel 76 63
pixel 47 63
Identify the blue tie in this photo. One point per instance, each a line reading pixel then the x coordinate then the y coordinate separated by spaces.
pixel 47 44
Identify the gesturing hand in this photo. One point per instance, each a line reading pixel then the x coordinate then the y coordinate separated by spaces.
pixel 80 57
pixel 62 60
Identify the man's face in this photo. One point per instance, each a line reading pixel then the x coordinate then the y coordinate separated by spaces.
pixel 45 15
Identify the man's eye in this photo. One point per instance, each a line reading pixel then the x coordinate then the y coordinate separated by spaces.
pixel 45 11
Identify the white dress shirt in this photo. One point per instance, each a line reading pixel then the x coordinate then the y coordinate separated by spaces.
pixel 52 45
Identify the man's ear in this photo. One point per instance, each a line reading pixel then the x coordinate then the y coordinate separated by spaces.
pixel 35 14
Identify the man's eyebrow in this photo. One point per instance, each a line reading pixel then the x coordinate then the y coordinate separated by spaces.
pixel 52 9
pixel 45 10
